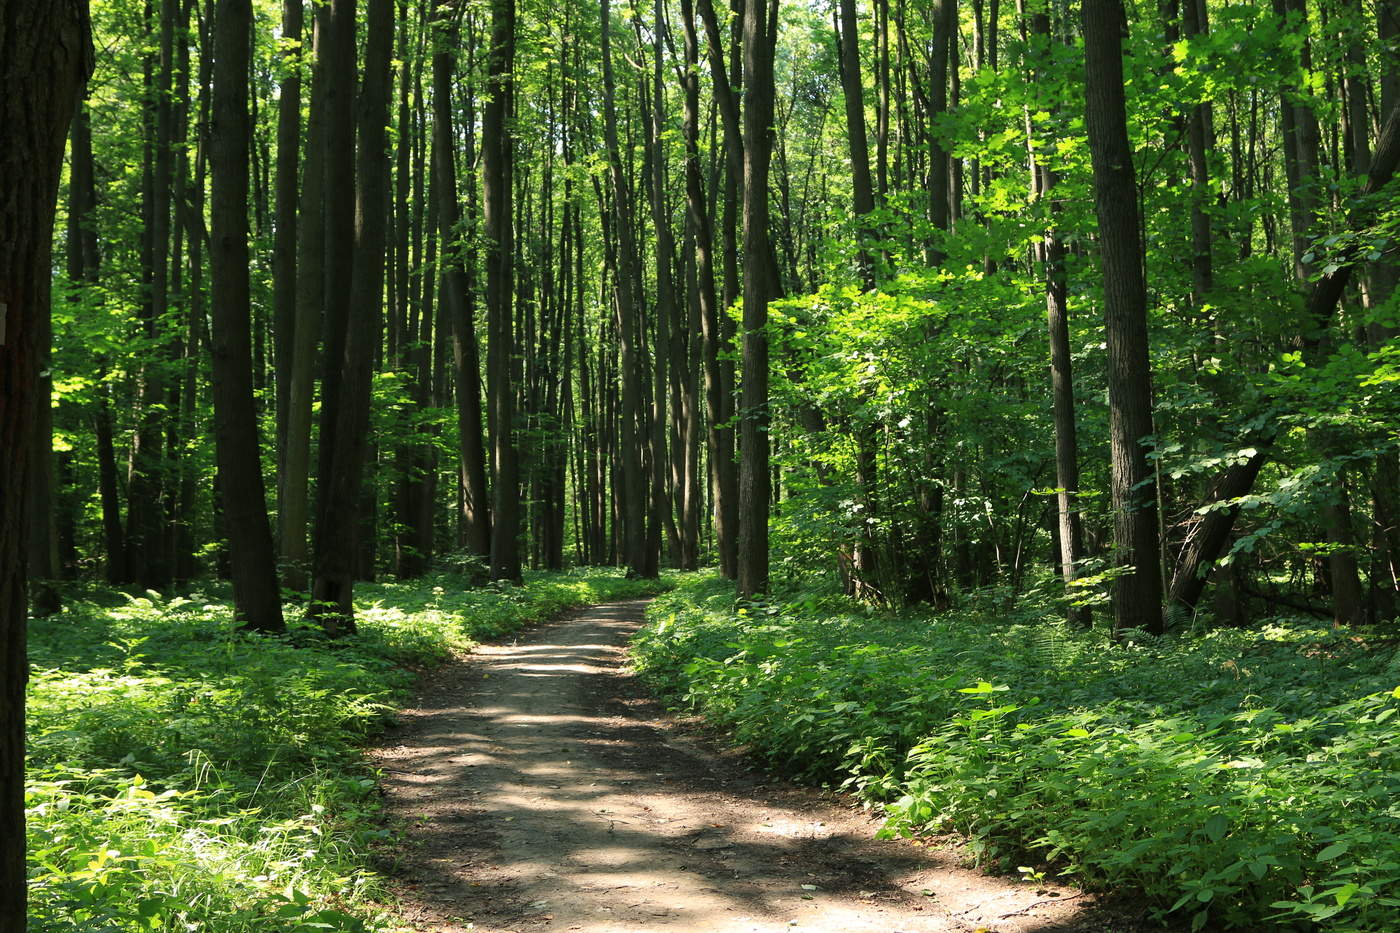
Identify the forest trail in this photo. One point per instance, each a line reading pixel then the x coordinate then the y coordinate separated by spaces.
pixel 541 789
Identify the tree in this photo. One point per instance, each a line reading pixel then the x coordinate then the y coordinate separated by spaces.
pixel 1137 592
pixel 498 154
pixel 457 291
pixel 760 38
pixel 45 56
pixel 339 515
pixel 627 279
pixel 252 556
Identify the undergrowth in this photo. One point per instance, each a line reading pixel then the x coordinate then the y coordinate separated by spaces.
pixel 1240 778
pixel 185 775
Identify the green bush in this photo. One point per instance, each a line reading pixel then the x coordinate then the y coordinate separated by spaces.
pixel 1237 777
pixel 185 775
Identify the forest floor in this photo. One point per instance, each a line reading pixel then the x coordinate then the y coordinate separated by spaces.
pixel 539 788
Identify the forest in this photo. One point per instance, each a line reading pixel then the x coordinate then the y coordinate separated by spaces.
pixel 999 405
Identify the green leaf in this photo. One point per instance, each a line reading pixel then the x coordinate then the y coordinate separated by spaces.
pixel 1332 851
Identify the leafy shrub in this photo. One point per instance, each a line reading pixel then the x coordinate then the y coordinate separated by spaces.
pixel 185 775
pixel 1238 777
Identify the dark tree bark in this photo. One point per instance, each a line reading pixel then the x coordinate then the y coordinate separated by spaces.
pixel 498 156
pixel 340 210
pixel 466 357
pixel 760 38
pixel 252 557
pixel 147 492
pixel 338 525
pixel 295 505
pixel 1137 593
pixel 627 278
pixel 45 55
pixel 858 145
pixel 43 543
pixel 706 310
pixel 284 244
pixel 719 372
pixel 1200 141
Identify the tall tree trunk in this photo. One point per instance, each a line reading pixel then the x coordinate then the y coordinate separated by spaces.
pixel 45 55
pixel 340 513
pixel 760 38
pixel 1137 593
pixel 719 369
pixel 295 507
pixel 858 145
pixel 498 156
pixel 284 244
pixel 83 267
pixel 146 490
pixel 252 557
pixel 466 357
pixel 706 310
pixel 1051 253
pixel 1200 141
pixel 43 543
pixel 341 215
pixel 627 279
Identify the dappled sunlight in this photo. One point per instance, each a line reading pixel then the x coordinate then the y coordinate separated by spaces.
pixel 551 793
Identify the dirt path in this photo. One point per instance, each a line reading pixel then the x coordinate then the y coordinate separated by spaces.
pixel 541 790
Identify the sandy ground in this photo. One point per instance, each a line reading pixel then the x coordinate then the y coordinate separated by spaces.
pixel 540 789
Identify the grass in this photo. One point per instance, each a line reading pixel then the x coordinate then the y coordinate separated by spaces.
pixel 1237 777
pixel 188 776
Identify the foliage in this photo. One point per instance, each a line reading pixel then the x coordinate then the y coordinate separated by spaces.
pixel 185 775
pixel 1239 776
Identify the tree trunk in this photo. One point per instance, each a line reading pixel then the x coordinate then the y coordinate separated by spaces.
pixel 339 261
pixel 760 38
pixel 295 506
pixel 45 55
pixel 340 513
pixel 498 156
pixel 719 372
pixel 476 515
pixel 1051 253
pixel 284 244
pixel 252 557
pixel 1137 593
pixel 627 276
pixel 858 145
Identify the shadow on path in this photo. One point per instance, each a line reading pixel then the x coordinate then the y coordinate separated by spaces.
pixel 540 789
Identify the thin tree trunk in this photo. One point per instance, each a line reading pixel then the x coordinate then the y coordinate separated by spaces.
pixel 284 245
pixel 627 277
pixel 476 516
pixel 1051 253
